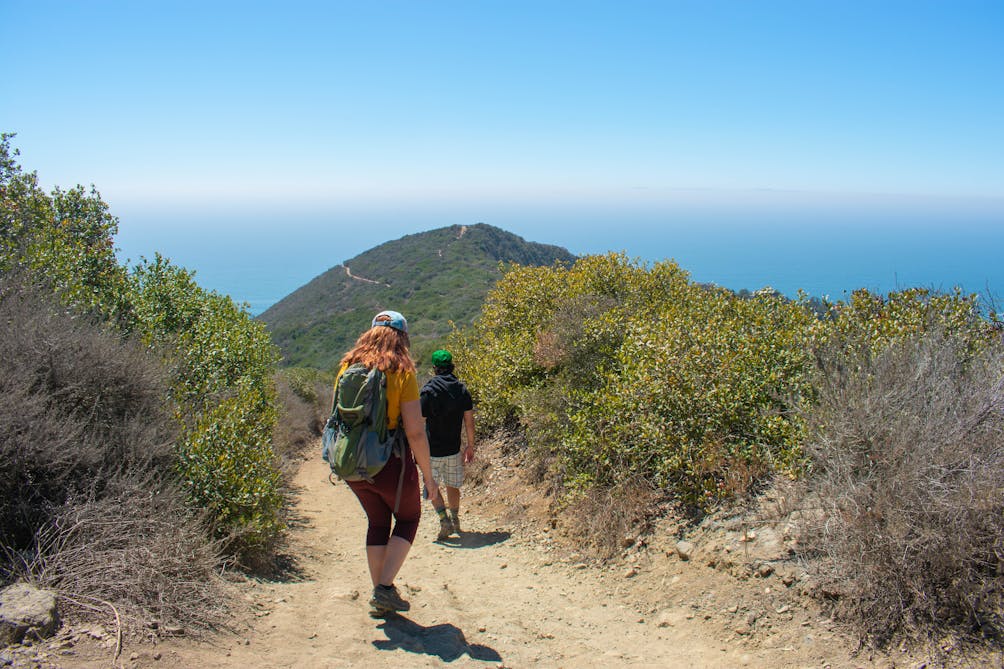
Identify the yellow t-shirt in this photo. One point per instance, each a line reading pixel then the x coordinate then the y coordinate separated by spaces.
pixel 401 387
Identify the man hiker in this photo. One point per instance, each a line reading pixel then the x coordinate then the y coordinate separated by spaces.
pixel 447 405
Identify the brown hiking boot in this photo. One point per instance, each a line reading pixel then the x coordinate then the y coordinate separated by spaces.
pixel 445 529
pixel 387 600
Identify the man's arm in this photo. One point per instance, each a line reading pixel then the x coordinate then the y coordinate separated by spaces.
pixel 469 426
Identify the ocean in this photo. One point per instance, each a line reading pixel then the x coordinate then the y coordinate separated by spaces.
pixel 260 263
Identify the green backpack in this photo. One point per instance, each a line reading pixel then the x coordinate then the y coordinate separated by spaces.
pixel 356 441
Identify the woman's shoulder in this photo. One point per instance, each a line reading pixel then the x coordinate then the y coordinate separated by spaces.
pixel 399 375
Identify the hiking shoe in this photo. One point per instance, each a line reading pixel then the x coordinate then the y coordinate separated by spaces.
pixel 386 599
pixel 445 529
pixel 455 520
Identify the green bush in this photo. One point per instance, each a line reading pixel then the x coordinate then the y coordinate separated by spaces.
pixel 223 364
pixel 63 239
pixel 228 467
pixel 620 370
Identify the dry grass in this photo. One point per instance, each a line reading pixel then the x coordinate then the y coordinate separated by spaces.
pixel 908 473
pixel 607 520
pixel 304 405
pixel 151 566
pixel 89 504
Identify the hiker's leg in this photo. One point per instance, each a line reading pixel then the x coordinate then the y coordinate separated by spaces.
pixel 452 479
pixel 409 511
pixel 378 513
pixel 375 556
pixel 378 517
pixel 453 498
pixel 393 558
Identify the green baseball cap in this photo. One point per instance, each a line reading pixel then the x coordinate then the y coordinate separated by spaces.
pixel 442 358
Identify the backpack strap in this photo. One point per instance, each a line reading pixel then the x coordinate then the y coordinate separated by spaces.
pixel 401 450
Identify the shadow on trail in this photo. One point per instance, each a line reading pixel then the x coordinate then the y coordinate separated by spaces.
pixel 476 539
pixel 445 641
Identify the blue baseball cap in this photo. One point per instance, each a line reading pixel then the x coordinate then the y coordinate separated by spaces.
pixel 391 319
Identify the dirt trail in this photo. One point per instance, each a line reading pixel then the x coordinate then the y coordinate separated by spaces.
pixel 349 274
pixel 493 599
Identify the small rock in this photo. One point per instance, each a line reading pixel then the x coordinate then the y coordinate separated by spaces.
pixel 684 549
pixel 765 569
pixel 26 609
pixel 482 629
pixel 627 541
pixel 157 656
pixel 580 565
pixel 631 573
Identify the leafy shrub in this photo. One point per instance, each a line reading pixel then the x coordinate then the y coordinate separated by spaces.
pixel 228 468
pixel 873 322
pixel 310 385
pixel 223 363
pixel 64 238
pixel 625 372
pixel 304 397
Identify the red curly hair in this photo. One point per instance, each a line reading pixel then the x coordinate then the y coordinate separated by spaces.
pixel 382 347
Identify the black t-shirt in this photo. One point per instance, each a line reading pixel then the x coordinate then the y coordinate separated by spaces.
pixel 444 400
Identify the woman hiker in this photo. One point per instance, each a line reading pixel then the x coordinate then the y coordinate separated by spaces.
pixel 385 346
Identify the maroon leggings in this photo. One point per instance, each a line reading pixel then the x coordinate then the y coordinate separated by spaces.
pixel 377 500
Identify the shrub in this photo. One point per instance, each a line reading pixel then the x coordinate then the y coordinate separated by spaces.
pixel 907 450
pixel 63 239
pixel 229 469
pixel 304 397
pixel 626 372
pixel 89 501
pixel 223 363
pixel 216 353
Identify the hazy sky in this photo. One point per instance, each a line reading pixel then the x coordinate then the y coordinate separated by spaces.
pixel 586 124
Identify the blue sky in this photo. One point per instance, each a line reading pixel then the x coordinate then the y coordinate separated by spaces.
pixel 626 126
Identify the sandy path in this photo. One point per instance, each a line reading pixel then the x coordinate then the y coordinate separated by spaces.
pixel 489 600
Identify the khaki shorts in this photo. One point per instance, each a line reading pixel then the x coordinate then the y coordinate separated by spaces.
pixel 449 471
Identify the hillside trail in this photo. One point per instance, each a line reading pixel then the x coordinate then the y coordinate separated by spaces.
pixel 497 597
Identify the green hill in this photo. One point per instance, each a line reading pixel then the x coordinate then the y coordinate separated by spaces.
pixel 431 277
